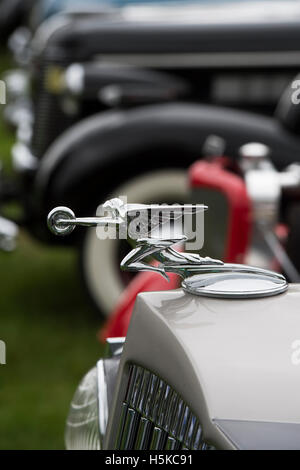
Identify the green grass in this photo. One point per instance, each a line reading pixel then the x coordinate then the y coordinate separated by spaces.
pixel 50 335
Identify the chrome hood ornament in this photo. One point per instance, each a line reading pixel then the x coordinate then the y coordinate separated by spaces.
pixel 201 276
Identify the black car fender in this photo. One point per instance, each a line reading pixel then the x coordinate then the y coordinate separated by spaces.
pixel 87 162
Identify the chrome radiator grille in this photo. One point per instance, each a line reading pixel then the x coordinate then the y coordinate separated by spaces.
pixel 154 417
pixel 50 120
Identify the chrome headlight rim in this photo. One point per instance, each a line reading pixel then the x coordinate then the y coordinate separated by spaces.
pixel 89 410
pixel 82 424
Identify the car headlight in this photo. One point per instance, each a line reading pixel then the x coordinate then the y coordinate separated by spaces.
pixel 82 427
pixel 87 420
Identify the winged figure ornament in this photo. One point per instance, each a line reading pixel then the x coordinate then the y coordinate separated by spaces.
pixel 154 230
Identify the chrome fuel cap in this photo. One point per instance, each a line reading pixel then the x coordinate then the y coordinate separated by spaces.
pixel 235 285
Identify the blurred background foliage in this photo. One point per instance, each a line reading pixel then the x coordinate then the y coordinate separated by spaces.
pixel 50 333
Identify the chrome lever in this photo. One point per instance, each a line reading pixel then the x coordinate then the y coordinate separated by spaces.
pixel 62 221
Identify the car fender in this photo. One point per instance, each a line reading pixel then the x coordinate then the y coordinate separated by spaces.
pixel 98 154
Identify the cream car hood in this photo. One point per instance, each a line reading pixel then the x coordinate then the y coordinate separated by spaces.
pixel 242 351
pixel 233 361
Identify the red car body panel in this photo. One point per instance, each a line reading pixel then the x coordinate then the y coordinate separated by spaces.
pixel 118 322
pixel 215 175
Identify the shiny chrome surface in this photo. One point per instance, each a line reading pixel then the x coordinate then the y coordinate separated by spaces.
pixel 82 426
pixel 130 428
pixel 213 277
pixel 102 398
pixel 115 345
pixel 89 411
pixel 62 218
pixel 54 218
pixel 169 259
pixel 154 417
pixel 234 285
pixel 143 434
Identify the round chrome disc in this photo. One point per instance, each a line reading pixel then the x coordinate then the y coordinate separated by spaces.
pixel 54 217
pixel 235 285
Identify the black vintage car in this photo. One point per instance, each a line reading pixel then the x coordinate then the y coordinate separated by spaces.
pixel 123 103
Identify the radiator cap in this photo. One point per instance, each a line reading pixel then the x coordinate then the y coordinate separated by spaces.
pixel 235 285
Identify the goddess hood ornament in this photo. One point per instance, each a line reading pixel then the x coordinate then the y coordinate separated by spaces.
pixel 155 251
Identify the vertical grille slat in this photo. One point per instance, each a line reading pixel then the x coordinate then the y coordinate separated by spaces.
pixel 143 392
pixel 172 444
pixel 144 434
pixel 149 402
pixel 157 400
pixel 129 430
pixel 197 437
pixel 158 439
pixel 121 425
pixel 132 374
pixel 177 417
pixel 136 390
pixel 190 430
pixel 155 417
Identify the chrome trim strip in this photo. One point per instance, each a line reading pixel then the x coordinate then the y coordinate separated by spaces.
pixel 121 425
pixel 204 59
pixel 115 345
pixel 102 398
